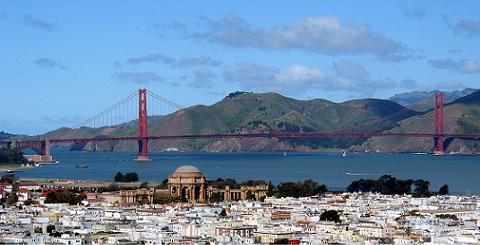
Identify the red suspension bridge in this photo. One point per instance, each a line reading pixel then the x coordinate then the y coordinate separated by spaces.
pixel 108 117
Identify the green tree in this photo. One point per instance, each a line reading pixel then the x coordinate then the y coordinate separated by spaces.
pixel 443 190
pixel 144 185
pixel 118 177
pixel 271 189
pixel 330 215
pixel 216 197
pixel 11 199
pixel 300 189
pixel 64 197
pixel 11 156
pixel 129 177
pixel 9 178
pixel 165 198
pixel 163 185
pixel 421 188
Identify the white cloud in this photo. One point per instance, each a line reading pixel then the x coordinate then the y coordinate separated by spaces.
pixel 296 79
pixel 183 62
pixel 322 34
pixel 137 77
pixel 38 23
pixel 417 13
pixel 203 78
pixel 449 86
pixel 467 28
pixel 49 63
pixel 462 65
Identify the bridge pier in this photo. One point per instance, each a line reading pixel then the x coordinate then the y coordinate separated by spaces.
pixel 438 148
pixel 41 147
pixel 142 126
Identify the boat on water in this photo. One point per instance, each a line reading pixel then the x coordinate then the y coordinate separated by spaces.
pixel 284 153
pixel 81 166
pixel 9 171
pixel 344 153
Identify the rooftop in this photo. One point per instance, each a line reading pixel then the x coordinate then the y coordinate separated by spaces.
pixel 187 169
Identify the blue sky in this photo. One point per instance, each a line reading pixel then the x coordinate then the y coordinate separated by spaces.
pixel 63 61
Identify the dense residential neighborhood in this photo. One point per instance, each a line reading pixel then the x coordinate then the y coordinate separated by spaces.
pixel 329 218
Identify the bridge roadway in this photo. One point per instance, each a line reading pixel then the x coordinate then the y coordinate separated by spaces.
pixel 258 135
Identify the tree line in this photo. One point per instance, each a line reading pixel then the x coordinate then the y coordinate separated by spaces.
pixel 11 156
pixel 389 185
pixel 128 177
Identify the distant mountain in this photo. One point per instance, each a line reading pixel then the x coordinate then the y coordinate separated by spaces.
pixel 5 136
pixel 460 116
pixel 423 100
pixel 242 112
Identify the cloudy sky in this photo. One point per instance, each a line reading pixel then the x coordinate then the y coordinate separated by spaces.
pixel 62 62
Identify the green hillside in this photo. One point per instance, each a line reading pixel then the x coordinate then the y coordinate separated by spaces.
pixel 255 113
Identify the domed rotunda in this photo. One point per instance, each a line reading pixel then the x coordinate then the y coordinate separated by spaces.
pixel 189 183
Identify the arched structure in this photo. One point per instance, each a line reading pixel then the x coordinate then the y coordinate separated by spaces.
pixel 189 183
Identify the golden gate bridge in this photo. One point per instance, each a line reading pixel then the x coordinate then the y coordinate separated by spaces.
pixel 142 137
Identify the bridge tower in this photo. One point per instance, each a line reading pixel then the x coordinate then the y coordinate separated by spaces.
pixel 438 125
pixel 142 126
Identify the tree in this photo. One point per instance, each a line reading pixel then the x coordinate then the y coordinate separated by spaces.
pixel 386 184
pixel 421 188
pixel 281 241
pixel 64 197
pixel 250 196
pixel 11 156
pixel 50 229
pixel 144 185
pixel 330 215
pixel 165 198
pixel 443 190
pixel 129 177
pixel 10 178
pixel 271 189
pixel 216 197
pixel 11 199
pixel 163 185
pixel 118 177
pixel 223 213
pixel 300 189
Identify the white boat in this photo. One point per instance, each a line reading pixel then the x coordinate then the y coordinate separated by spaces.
pixel 284 153
pixel 344 154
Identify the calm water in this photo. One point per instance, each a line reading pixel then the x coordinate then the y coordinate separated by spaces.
pixel 461 173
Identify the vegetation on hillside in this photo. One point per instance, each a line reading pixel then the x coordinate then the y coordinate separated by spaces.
pixel 11 156
pixel 4 135
pixel 242 112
